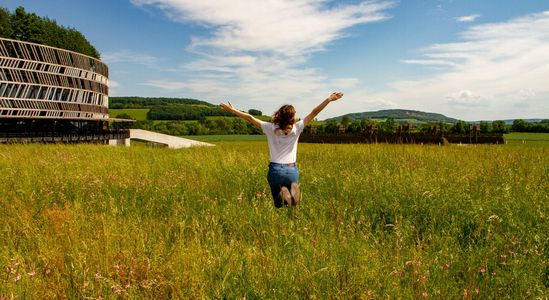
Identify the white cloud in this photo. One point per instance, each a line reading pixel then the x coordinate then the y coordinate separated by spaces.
pixel 256 51
pixel 467 98
pixel 345 83
pixel 114 86
pixel 129 56
pixel 469 18
pixel 284 26
pixel 429 62
pixel 493 67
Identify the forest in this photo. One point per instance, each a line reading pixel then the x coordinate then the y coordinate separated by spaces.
pixel 29 27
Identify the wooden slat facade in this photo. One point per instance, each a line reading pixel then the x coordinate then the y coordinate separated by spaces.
pixel 38 81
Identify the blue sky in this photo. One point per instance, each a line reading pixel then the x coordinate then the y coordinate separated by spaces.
pixel 484 59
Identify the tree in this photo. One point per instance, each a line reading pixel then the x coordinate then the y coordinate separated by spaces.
pixel 345 121
pixel 519 125
pixel 389 125
pixel 5 23
pixel 354 127
pixel 32 28
pixel 124 116
pixel 331 126
pixel 255 112
pixel 485 127
pixel 459 127
pixel 499 126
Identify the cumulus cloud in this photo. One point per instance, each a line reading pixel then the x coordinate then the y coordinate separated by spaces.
pixel 469 18
pixel 113 87
pixel 467 98
pixel 129 56
pixel 257 51
pixel 284 26
pixel 500 62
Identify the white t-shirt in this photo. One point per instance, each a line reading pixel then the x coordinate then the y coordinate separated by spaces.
pixel 282 148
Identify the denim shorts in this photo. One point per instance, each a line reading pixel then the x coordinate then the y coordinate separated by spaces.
pixel 281 175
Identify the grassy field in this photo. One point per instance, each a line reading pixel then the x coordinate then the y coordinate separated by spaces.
pixel 376 221
pixel 228 138
pixel 136 113
pixel 526 139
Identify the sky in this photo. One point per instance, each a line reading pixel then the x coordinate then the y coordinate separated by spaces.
pixel 467 59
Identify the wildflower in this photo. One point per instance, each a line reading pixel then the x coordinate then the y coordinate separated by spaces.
pixel 424 294
pixel 465 293
pixel 12 266
pixel 17 279
pixel 31 273
pixel 482 270
pixel 86 284
pixel 116 290
pixel 97 275
pixel 128 285
pixel 477 291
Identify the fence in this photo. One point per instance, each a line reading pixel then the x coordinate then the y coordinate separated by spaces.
pixel 402 138
pixel 60 137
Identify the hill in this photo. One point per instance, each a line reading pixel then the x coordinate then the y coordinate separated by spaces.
pixel 510 121
pixel 146 102
pixel 169 108
pixel 400 115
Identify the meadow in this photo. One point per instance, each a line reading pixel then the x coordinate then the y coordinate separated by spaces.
pixel 376 221
pixel 138 114
pixel 527 139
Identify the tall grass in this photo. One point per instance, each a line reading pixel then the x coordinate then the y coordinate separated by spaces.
pixel 376 221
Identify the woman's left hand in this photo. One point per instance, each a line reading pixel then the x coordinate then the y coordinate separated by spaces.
pixel 335 96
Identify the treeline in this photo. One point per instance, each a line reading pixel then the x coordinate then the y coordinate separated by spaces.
pixel 29 27
pixel 204 127
pixel 184 112
pixel 173 108
pixel 145 102
pixel 520 125
pixel 460 127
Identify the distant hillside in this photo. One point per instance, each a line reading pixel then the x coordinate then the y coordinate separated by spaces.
pixel 160 108
pixel 169 108
pixel 145 102
pixel 402 115
pixel 510 121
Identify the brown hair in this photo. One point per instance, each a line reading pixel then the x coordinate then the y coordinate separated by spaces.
pixel 284 117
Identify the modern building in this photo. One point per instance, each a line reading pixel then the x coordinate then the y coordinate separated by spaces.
pixel 49 94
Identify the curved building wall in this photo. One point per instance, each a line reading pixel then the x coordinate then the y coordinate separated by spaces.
pixel 42 82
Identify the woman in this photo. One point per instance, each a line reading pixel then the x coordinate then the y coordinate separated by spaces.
pixel 282 135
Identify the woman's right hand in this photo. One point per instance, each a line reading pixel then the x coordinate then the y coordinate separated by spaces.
pixel 335 96
pixel 227 107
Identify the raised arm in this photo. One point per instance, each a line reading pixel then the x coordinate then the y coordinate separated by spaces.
pixel 230 108
pixel 319 108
